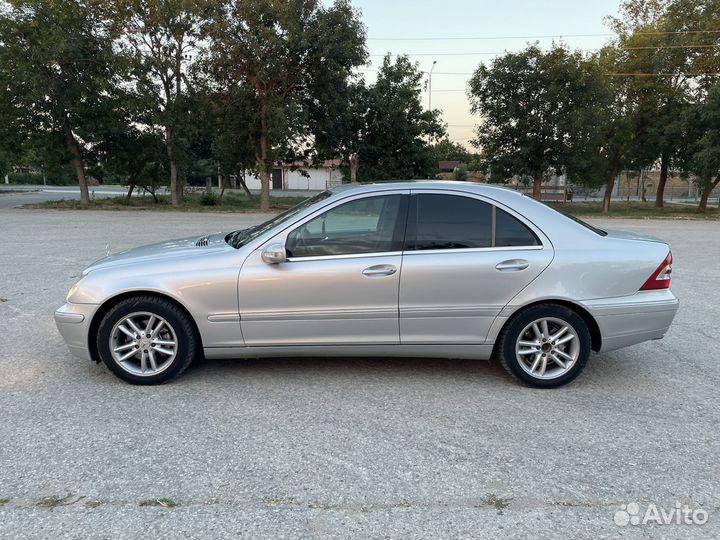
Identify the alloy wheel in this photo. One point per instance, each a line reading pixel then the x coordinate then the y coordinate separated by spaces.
pixel 547 348
pixel 143 343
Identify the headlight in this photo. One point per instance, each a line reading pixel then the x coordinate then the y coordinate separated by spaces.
pixel 74 289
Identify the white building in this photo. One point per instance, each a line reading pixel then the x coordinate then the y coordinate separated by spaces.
pixel 316 177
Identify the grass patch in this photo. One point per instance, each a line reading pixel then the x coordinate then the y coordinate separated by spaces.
pixel 3 502
pixel 163 503
pixel 499 503
pixel 196 202
pixel 636 210
pixel 55 500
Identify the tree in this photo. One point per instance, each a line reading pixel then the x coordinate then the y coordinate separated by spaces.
pixel 160 38
pixel 58 76
pixel 290 55
pixel 447 150
pixel 392 133
pixel 663 42
pixel 232 133
pixel 340 126
pixel 136 157
pixel 619 124
pixel 539 113
pixel 702 131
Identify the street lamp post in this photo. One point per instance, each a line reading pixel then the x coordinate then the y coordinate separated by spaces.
pixel 430 85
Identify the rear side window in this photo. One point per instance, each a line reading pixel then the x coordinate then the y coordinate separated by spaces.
pixel 438 221
pixel 451 222
pixel 510 231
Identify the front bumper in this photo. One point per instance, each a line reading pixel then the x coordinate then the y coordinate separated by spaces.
pixel 633 319
pixel 73 323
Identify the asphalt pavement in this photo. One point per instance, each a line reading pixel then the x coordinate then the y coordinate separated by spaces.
pixel 338 447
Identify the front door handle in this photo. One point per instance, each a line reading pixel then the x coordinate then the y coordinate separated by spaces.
pixel 379 270
pixel 512 265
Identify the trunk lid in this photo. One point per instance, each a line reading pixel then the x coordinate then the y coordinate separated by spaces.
pixel 632 235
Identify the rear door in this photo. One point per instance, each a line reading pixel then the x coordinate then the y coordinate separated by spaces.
pixel 465 258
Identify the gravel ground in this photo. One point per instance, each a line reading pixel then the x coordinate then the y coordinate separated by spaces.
pixel 344 448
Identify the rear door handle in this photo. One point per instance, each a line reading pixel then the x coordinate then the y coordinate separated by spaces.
pixel 512 265
pixel 380 270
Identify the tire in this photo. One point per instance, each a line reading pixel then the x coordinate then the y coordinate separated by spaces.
pixel 564 358
pixel 141 355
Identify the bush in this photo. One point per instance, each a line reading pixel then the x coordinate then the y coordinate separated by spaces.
pixel 209 198
pixel 460 173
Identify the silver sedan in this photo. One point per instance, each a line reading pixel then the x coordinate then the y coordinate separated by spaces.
pixel 433 269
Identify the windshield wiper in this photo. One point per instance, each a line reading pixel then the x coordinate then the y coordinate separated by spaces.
pixel 235 238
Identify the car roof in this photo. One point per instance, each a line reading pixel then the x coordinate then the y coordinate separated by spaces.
pixel 469 187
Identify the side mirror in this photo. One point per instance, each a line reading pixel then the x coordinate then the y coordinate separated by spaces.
pixel 274 253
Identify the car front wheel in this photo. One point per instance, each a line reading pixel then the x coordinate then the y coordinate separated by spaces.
pixel 545 346
pixel 147 340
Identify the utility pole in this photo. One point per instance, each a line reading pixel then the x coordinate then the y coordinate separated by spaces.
pixel 430 85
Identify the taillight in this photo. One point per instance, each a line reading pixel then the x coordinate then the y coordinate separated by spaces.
pixel 660 278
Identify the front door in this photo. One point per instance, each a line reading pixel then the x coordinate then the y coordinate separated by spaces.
pixel 277 179
pixel 465 259
pixel 339 285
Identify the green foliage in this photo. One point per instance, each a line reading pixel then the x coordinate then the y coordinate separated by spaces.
pixel 701 142
pixel 446 150
pixel 135 158
pixel 460 173
pixel 540 112
pixel 290 57
pixel 58 79
pixel 666 38
pixel 395 130
pixel 209 198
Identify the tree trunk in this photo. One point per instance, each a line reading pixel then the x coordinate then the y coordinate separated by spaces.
pixel 660 197
pixel 241 178
pixel 537 188
pixel 131 188
pixel 702 207
pixel 264 189
pixel 262 161
pixel 175 194
pixel 224 184
pixel 643 198
pixel 354 163
pixel 74 149
pixel 608 192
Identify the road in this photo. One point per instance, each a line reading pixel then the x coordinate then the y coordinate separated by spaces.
pixel 344 448
pixel 12 196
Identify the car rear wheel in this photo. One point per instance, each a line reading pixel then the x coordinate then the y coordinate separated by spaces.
pixel 545 346
pixel 147 340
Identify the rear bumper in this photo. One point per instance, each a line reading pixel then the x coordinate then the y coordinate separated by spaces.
pixel 73 323
pixel 633 319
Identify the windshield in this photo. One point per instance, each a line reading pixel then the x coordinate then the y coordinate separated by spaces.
pixel 241 237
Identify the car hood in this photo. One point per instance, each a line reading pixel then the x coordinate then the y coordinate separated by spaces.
pixel 194 246
pixel 631 235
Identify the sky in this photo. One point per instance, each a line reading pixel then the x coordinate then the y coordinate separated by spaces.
pixel 511 20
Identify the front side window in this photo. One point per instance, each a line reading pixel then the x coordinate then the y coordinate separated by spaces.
pixel 439 221
pixel 367 225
